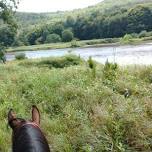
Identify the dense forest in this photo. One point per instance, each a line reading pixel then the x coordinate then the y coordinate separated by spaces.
pixel 104 20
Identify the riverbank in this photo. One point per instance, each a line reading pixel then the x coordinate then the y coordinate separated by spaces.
pixel 85 43
pixel 121 54
pixel 81 109
pixel 72 44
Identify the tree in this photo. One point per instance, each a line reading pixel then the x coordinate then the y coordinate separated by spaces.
pixel 33 35
pixel 57 28
pixel 67 36
pixel 7 25
pixel 6 9
pixel 7 35
pixel 70 21
pixel 53 38
pixel 139 18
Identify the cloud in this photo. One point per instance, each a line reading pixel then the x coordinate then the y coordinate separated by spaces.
pixel 53 5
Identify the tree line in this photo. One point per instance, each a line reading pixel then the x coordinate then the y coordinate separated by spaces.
pixel 96 25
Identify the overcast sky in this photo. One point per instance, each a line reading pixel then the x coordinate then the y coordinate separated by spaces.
pixel 53 5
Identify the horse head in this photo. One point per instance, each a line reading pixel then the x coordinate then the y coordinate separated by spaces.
pixel 27 135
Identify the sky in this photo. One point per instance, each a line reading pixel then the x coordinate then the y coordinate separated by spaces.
pixel 53 5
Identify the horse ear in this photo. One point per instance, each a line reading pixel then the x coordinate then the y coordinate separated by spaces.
pixel 11 117
pixel 35 115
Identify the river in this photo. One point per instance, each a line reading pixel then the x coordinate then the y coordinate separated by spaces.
pixel 123 55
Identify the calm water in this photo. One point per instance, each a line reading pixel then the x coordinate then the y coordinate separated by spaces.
pixel 123 55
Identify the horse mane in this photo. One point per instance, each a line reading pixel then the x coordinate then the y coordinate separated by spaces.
pixel 29 138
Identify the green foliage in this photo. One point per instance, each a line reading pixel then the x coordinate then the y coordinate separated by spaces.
pixel 145 74
pixel 57 28
pixel 139 18
pixel 6 9
pixel 7 35
pixel 92 66
pixel 18 42
pixel 53 38
pixel 74 44
pixel 79 113
pixel 33 36
pixel 110 73
pixel 2 54
pixel 91 63
pixel 70 21
pixel 20 56
pixel 127 39
pixel 7 25
pixel 66 61
pixel 104 21
pixel 67 36
pixel 143 34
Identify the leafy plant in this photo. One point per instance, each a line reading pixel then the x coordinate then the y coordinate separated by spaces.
pixel 2 54
pixel 92 66
pixel 62 62
pixel 67 36
pixel 74 44
pixel 126 39
pixel 20 56
pixel 110 73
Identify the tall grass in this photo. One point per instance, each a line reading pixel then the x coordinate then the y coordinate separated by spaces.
pixel 78 113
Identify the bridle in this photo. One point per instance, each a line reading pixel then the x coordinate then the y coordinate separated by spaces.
pixel 31 124
pixel 25 123
pixel 27 131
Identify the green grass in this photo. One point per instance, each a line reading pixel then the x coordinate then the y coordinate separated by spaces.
pixel 64 45
pixel 40 47
pixel 84 43
pixel 80 113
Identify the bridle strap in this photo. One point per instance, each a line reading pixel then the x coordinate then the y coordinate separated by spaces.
pixel 27 123
pixel 30 123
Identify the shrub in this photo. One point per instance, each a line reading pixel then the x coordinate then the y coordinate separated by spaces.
pixel 74 44
pixel 110 73
pixel 67 36
pixel 142 34
pixel 20 56
pixel 147 38
pixel 134 35
pixel 53 38
pixel 39 41
pixel 2 55
pixel 57 62
pixel 126 39
pixel 92 66
pixel 17 42
pixel 62 62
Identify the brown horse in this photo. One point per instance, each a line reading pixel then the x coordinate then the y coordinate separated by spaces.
pixel 27 135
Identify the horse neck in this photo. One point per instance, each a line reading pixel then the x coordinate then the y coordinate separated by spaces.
pixel 29 138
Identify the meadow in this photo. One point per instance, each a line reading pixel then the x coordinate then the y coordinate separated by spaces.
pixel 83 104
pixel 61 45
pixel 82 43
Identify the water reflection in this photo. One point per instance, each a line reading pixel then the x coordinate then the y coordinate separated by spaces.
pixel 124 55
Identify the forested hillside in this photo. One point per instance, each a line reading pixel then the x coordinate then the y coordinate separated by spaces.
pixel 107 19
pixel 105 7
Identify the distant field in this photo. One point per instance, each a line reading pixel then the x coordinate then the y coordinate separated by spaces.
pixel 84 43
pixel 63 45
pixel 82 109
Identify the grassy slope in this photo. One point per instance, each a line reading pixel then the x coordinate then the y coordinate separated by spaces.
pixel 84 43
pixel 79 112
pixel 61 45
